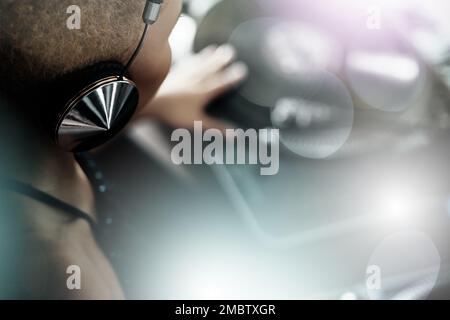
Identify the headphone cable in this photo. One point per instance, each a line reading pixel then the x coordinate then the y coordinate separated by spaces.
pixel 150 16
pixel 136 51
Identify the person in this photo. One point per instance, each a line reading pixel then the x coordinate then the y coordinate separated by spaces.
pixel 35 47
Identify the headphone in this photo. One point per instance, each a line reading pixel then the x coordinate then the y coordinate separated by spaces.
pixel 97 101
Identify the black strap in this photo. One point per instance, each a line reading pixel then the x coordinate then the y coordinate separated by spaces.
pixel 40 196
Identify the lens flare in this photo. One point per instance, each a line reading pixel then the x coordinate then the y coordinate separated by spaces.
pixel 408 265
pixel 315 129
pixel 388 81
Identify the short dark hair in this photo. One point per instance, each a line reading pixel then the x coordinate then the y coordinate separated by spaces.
pixel 36 45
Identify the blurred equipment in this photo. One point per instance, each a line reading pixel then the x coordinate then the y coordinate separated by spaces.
pixel 316 129
pixel 364 176
pixel 362 99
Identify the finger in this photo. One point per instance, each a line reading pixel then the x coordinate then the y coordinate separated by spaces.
pixel 227 79
pixel 199 57
pixel 218 60
pixel 185 66
pixel 207 51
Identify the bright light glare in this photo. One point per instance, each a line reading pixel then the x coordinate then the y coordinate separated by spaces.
pixel 388 5
pixel 397 207
pixel 388 81
pixel 297 48
pixel 349 296
pixel 213 279
pixel 398 203
pixel 387 65
pixel 218 273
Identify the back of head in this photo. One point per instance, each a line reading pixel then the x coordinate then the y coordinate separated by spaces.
pixel 36 44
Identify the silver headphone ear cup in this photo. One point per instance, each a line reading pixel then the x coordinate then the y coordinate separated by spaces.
pixel 97 114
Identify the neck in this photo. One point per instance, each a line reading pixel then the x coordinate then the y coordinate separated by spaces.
pixel 53 171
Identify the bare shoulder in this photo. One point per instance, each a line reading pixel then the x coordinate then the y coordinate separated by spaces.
pixel 60 258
